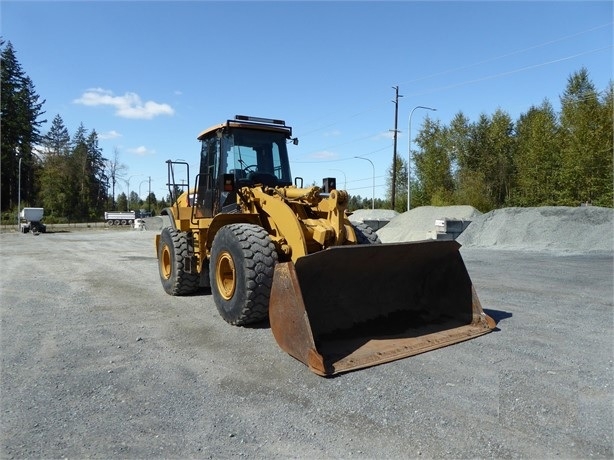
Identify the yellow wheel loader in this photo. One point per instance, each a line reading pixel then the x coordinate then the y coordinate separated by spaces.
pixel 268 247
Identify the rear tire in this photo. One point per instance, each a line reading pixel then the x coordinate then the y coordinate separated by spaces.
pixel 365 234
pixel 242 264
pixel 173 250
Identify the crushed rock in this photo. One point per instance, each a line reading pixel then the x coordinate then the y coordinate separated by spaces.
pixel 362 215
pixel 415 224
pixel 558 228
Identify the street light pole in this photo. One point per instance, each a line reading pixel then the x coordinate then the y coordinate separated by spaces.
pixel 373 193
pixel 409 153
pixel 149 197
pixel 19 195
pixel 141 183
pixel 128 197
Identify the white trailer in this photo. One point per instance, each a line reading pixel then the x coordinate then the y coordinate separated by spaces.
pixel 119 217
pixel 30 219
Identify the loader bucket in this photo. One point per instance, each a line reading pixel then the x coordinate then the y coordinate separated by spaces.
pixel 351 307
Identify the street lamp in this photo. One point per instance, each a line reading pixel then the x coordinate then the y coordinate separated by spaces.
pixel 19 196
pixel 141 183
pixel 409 153
pixel 128 197
pixel 373 193
pixel 148 201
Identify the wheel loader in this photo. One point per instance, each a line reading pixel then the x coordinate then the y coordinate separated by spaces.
pixel 268 247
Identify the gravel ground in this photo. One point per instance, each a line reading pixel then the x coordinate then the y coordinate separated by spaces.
pixel 98 362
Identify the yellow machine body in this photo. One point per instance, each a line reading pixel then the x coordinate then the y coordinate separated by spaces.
pixel 336 298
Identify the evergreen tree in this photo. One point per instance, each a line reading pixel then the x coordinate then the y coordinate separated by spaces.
pixel 55 179
pixel 469 184
pixel 80 172
pixel 586 166
pixel 97 181
pixel 57 140
pixel 500 165
pixel 122 202
pixel 604 180
pixel 20 113
pixel 538 158
pixel 433 165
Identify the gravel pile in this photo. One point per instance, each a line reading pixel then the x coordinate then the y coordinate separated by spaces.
pixel 415 224
pixel 560 228
pixel 555 228
pixel 362 215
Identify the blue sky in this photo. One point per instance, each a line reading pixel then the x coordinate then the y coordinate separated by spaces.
pixel 149 76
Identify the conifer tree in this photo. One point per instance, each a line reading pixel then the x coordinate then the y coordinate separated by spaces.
pixel 20 113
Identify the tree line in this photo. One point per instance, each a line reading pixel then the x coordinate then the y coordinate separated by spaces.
pixel 67 175
pixel 542 158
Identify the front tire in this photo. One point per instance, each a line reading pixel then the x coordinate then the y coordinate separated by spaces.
pixel 365 234
pixel 243 260
pixel 174 251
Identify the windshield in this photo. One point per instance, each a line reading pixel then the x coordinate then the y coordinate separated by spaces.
pixel 260 156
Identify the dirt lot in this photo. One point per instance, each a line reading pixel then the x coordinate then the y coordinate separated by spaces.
pixel 98 362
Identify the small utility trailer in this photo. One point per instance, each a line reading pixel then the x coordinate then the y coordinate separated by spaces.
pixel 30 220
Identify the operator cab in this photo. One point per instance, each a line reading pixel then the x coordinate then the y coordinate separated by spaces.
pixel 246 151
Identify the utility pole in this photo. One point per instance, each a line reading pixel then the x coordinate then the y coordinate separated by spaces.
pixel 394 148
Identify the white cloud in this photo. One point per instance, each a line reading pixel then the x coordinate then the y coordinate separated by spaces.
pixel 323 155
pixel 333 133
pixel 386 135
pixel 141 151
pixel 109 135
pixel 129 105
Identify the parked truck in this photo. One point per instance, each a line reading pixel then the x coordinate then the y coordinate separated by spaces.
pixel 30 220
pixel 119 217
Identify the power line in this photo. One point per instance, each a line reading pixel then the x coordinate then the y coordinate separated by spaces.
pixel 510 72
pixel 336 160
pixel 512 53
pixel 456 85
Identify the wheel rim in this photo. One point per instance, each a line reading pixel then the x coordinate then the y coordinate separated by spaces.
pixel 165 262
pixel 225 275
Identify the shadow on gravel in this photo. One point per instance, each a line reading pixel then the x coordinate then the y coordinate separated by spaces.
pixel 498 315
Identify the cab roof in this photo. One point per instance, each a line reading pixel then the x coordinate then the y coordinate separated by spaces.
pixel 244 121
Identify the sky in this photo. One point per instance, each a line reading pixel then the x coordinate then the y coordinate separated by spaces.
pixel 149 76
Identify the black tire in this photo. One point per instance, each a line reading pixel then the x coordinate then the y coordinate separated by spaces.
pixel 242 263
pixel 173 249
pixel 365 234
